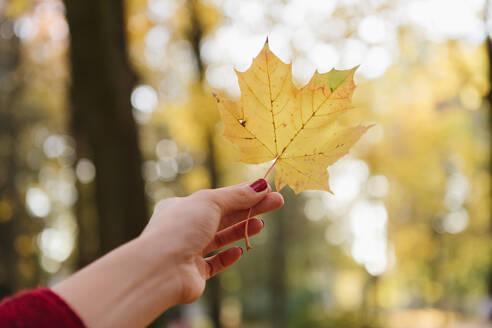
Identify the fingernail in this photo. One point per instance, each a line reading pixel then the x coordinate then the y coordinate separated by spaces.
pixel 242 250
pixel 259 185
pixel 262 222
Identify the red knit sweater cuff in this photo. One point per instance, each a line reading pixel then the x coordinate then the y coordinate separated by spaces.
pixel 40 308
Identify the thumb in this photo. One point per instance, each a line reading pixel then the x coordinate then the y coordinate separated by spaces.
pixel 239 197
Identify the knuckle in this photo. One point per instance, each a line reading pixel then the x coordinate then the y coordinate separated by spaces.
pixel 218 240
pixel 210 269
pixel 217 206
pixel 242 194
pixel 221 260
pixel 208 196
pixel 165 202
pixel 239 231
pixel 202 193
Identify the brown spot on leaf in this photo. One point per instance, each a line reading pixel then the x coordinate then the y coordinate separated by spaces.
pixel 216 97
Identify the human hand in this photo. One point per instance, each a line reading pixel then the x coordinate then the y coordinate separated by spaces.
pixel 191 227
pixel 166 265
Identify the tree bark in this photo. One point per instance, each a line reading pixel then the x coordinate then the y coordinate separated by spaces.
pixel 213 285
pixel 101 117
pixel 278 267
pixel 489 100
pixel 9 222
pixel 14 220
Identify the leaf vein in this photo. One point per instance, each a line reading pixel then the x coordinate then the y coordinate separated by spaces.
pixel 244 127
pixel 309 119
pixel 271 104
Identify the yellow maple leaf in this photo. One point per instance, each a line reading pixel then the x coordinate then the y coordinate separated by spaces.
pixel 298 128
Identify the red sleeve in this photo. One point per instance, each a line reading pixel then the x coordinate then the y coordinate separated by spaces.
pixel 40 308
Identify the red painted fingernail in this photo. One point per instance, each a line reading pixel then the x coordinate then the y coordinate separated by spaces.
pixel 262 222
pixel 242 250
pixel 259 185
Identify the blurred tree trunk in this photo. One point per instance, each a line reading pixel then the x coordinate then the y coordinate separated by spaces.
pixel 489 100
pixel 102 121
pixel 9 223
pixel 278 268
pixel 17 270
pixel 214 292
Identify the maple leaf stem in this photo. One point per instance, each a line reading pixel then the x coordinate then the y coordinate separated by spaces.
pixel 246 238
pixel 270 168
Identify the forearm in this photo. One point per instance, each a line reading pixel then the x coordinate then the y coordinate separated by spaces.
pixel 125 288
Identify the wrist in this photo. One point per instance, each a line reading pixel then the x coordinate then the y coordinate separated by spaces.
pixel 159 269
pixel 128 287
pixel 172 263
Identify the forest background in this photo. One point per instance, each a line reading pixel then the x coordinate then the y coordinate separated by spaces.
pixel 106 108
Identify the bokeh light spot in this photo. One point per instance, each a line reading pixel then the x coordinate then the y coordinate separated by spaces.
pixel 85 170
pixel 38 202
pixel 144 98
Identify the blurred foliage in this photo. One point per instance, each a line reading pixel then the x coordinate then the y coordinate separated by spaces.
pixel 405 239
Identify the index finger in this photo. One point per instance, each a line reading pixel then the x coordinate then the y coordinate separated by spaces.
pixel 272 201
pixel 238 197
